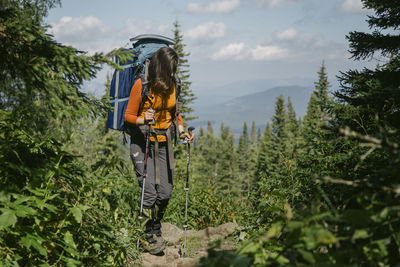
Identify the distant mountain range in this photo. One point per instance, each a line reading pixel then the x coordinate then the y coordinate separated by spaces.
pixel 257 106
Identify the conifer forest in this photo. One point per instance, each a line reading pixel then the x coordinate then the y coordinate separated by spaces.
pixel 321 190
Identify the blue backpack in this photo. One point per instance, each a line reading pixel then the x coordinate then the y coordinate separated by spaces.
pixel 144 46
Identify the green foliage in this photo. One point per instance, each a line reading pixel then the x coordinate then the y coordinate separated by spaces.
pixel 336 202
pixel 210 182
pixel 226 181
pixel 243 158
pixel 321 191
pixel 206 206
pixel 65 196
pixel 54 210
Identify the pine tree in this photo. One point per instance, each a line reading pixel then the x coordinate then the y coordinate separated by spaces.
pixel 279 127
pixel 252 157
pixel 243 159
pixel 369 109
pixel 253 131
pixel 39 78
pixel 373 94
pixel 279 120
pixel 318 107
pixel 199 162
pixel 293 123
pixel 293 128
pixel 312 119
pixel 265 175
pixel 322 88
pixel 267 156
pixel 356 162
pixel 227 180
pixel 186 96
pixel 207 148
pixel 244 140
pixel 319 142
pixel 259 137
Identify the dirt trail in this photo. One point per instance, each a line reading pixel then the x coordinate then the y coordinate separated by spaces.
pixel 196 246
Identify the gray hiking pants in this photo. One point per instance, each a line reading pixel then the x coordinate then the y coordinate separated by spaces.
pixel 153 194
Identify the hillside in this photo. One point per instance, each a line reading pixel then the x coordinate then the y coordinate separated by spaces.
pixel 256 106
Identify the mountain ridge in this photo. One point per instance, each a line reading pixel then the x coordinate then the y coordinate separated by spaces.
pixel 257 106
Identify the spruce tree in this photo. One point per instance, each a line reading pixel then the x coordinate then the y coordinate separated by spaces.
pixel 312 119
pixel 186 95
pixel 279 120
pixel 349 215
pixel 318 108
pixel 40 78
pixel 210 155
pixel 243 159
pixel 244 140
pixel 368 114
pixel 259 137
pixel 292 122
pixel 227 180
pixel 252 157
pixel 293 129
pixel 199 163
pixel 279 127
pixel 267 156
pixel 322 88
pixel 266 176
pixel 253 133
pixel 243 152
pixel 373 94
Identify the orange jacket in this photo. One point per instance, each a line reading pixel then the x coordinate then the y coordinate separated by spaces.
pixel 164 106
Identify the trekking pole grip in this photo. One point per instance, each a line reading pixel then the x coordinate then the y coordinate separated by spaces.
pixel 190 130
pixel 153 122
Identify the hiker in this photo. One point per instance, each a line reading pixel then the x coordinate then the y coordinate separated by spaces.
pixel 159 109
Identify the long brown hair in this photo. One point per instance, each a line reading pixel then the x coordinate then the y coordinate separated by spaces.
pixel 162 68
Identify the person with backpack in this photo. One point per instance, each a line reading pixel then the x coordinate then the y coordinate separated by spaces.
pixel 155 115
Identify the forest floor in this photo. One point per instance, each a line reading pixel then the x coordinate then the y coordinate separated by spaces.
pixel 197 243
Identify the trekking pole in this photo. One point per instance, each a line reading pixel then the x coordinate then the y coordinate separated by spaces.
pixel 146 156
pixel 186 189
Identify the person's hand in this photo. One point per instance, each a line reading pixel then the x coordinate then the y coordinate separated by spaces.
pixel 188 136
pixel 149 115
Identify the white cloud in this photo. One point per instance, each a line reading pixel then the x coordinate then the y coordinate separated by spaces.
pixel 235 51
pixel 290 44
pixel 240 51
pixel 93 35
pixel 267 52
pixel 164 29
pixel 135 27
pixel 288 34
pixel 207 32
pixel 293 38
pixel 78 29
pixel 353 6
pixel 221 6
pixel 273 3
pixel 297 45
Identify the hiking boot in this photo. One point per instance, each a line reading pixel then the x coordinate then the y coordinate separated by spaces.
pixel 160 240
pixel 154 245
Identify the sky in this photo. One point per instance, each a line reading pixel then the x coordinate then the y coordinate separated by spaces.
pixel 228 40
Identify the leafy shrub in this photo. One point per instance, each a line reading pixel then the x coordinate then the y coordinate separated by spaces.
pixel 54 210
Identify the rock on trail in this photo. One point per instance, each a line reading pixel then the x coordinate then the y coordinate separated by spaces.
pixel 196 245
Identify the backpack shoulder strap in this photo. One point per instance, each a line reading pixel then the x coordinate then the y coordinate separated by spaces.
pixel 178 86
pixel 145 86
